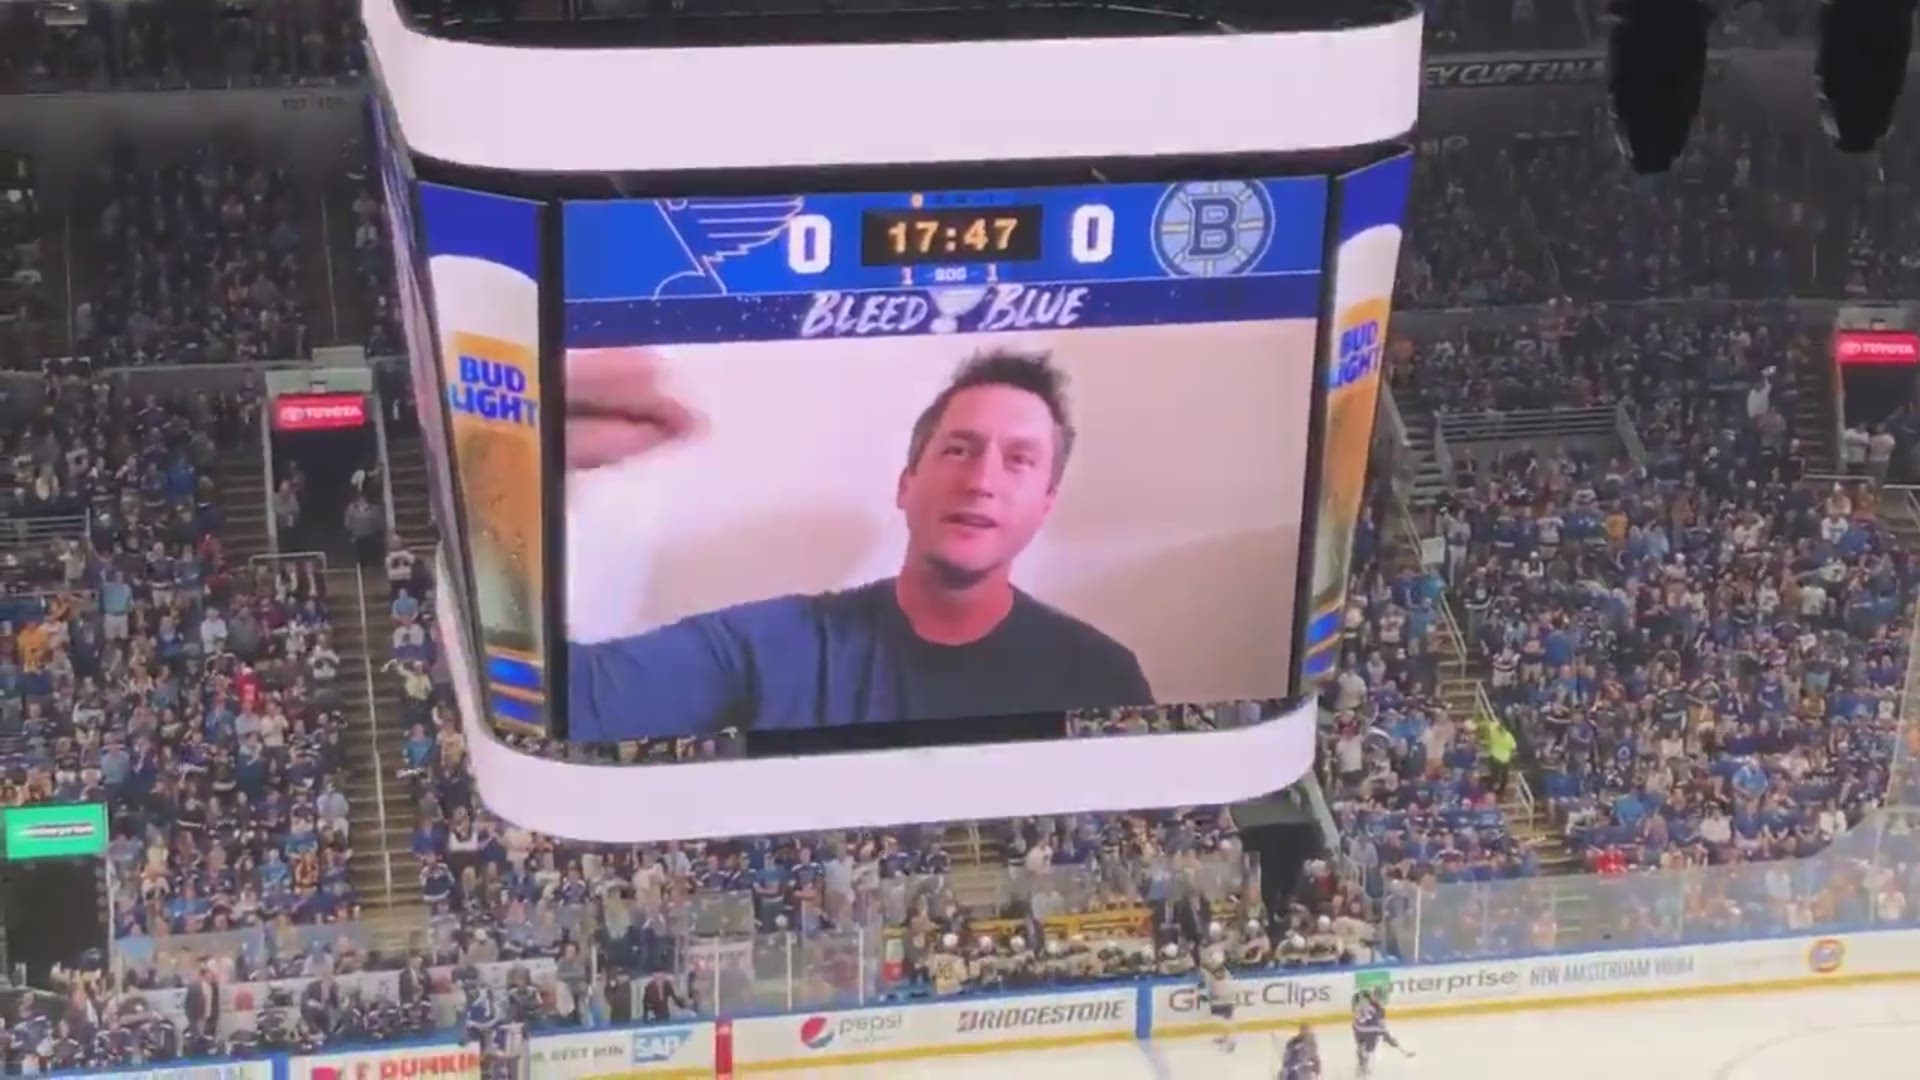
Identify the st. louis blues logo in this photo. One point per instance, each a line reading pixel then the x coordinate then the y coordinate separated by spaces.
pixel 1212 228
pixel 711 231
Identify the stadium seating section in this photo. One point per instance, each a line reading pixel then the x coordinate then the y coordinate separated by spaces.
pixel 1665 638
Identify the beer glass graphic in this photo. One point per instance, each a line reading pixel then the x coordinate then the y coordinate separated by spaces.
pixel 489 318
pixel 1363 284
pixel 499 465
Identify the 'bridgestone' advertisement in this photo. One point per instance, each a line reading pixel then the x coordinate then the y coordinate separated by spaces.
pixel 1036 1016
pixel 859 1035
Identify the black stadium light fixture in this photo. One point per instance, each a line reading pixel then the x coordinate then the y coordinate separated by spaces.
pixel 1860 67
pixel 1656 66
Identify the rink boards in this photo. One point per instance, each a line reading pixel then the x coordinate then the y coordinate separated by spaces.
pixel 1136 1010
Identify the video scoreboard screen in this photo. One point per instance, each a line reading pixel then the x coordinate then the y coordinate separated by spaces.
pixel 739 478
pixel 933 455
pixel 904 450
pixel 906 462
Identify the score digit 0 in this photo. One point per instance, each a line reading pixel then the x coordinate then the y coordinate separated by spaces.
pixel 1092 240
pixel 809 244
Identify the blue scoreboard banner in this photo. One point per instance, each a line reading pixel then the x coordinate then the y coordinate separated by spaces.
pixel 700 270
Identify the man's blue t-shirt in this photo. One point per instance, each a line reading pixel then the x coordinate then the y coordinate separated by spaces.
pixel 834 659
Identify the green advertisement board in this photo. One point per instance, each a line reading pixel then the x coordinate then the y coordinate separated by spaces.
pixel 54 832
pixel 1364 981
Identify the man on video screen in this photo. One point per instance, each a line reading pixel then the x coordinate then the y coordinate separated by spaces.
pixel 948 637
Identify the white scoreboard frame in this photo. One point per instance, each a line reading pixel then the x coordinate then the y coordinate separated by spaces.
pixel 531 110
pixel 752 107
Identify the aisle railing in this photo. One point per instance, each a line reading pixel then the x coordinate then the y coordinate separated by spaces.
pixel 1518 425
pixel 19 532
pixel 373 731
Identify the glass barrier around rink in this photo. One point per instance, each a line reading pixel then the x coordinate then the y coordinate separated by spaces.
pixel 881 939
pixel 1868 878
pixel 247 954
pixel 518 930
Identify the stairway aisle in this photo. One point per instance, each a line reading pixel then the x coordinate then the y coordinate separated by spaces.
pixel 413 530
pixel 1430 481
pixel 374 753
pixel 412 501
pixel 1812 419
pixel 403 812
pixel 242 479
pixel 1462 680
pixel 1461 688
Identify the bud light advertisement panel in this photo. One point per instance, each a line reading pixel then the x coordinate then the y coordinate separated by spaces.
pixel 484 264
pixel 1370 207
pixel 857 458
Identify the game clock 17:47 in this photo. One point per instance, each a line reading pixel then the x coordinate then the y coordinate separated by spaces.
pixel 950 235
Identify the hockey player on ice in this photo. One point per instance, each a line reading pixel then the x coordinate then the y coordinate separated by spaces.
pixel 1370 1028
pixel 1301 1059
pixel 1216 986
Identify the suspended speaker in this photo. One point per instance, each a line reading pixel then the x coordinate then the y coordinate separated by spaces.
pixel 1860 67
pixel 1656 66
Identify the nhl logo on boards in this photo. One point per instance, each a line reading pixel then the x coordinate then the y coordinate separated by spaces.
pixel 1826 956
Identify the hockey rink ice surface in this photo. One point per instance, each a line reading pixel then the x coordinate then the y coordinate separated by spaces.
pixel 1846 1033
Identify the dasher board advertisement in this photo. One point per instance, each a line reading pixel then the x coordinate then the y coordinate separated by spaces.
pixel 400 1063
pixel 232 1070
pixel 657 1050
pixel 1015 1021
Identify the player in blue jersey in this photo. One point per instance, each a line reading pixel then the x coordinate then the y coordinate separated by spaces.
pixel 1301 1059
pixel 948 637
pixel 481 1016
pixel 502 1055
pixel 1370 1028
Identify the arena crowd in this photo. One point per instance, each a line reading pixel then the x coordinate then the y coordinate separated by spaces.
pixel 1698 651
pixel 1693 650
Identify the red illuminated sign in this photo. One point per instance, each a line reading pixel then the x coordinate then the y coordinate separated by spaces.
pixel 1855 348
pixel 319 412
